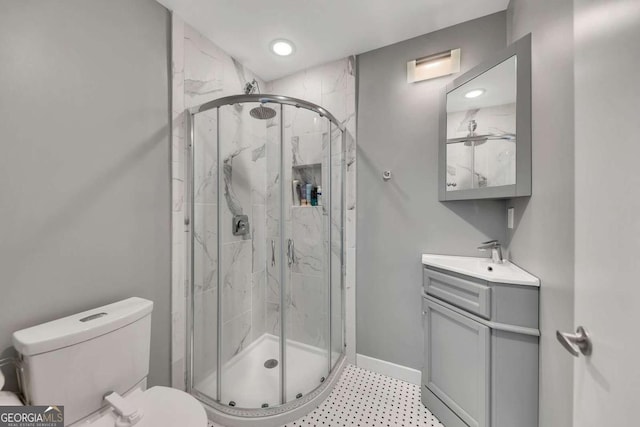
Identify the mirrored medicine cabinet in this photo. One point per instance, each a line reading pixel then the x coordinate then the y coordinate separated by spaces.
pixel 485 129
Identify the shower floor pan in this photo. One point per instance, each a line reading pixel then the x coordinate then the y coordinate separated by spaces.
pixel 248 383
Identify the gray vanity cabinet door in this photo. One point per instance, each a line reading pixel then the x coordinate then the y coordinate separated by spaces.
pixel 457 363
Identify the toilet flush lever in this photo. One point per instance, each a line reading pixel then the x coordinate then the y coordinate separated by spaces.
pixel 128 415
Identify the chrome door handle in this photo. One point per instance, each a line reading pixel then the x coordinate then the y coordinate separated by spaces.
pixel 273 253
pixel 293 253
pixel 291 258
pixel 574 342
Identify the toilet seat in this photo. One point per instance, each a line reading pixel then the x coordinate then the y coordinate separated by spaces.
pixel 162 407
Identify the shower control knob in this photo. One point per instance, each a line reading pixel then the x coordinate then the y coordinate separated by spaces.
pixel 240 225
pixel 386 175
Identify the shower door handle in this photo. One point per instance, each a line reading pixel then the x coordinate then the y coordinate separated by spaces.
pixel 273 253
pixel 291 257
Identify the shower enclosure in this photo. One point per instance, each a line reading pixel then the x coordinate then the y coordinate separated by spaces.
pixel 265 269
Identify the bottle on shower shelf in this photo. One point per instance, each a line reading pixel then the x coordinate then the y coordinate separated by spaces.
pixel 309 187
pixel 303 194
pixel 296 192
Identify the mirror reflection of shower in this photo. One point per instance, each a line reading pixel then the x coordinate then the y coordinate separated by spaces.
pixel 481 130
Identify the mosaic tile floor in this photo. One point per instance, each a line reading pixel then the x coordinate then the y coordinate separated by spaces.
pixel 364 398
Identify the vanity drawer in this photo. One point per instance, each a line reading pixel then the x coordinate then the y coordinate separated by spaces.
pixel 466 294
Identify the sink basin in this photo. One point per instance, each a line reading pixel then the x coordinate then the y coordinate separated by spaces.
pixel 482 268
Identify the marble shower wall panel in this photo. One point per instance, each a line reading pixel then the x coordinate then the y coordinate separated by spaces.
pixel 258 240
pixel 273 177
pixel 209 72
pixel 259 269
pixel 205 167
pixel 236 336
pixel 309 148
pixel 308 314
pixel 309 236
pixel 206 333
pixel 235 159
pixel 258 305
pixel 236 279
pixel 202 72
pixel 258 139
pixel 274 289
pixel 337 246
pixel 205 247
pixel 273 317
pixel 205 221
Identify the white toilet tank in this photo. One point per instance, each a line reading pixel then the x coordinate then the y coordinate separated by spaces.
pixel 76 360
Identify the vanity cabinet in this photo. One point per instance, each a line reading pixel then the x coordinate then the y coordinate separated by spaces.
pixel 481 351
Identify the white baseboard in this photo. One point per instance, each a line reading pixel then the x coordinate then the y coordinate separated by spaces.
pixel 399 372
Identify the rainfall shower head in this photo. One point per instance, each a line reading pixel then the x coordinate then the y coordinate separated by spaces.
pixel 262 113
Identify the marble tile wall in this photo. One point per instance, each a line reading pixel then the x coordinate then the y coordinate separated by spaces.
pixel 249 152
pixel 203 72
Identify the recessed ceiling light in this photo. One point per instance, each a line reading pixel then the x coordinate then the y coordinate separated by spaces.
pixel 474 93
pixel 282 47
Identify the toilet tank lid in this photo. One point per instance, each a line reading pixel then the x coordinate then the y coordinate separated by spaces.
pixel 80 327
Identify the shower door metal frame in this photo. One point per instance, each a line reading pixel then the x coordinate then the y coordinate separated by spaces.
pixel 190 275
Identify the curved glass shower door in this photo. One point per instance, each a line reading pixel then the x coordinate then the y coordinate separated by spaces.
pixel 306 160
pixel 266 256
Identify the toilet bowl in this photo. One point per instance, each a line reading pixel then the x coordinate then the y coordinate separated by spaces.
pixel 160 407
pixel 95 364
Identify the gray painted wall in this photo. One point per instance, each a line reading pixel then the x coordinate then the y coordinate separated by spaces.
pixel 84 169
pixel 400 219
pixel 542 241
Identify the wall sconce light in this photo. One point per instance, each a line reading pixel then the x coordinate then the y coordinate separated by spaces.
pixel 432 66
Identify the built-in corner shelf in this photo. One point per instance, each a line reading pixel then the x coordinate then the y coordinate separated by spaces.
pixel 309 174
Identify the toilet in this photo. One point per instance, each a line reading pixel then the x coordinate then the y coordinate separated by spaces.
pixel 96 364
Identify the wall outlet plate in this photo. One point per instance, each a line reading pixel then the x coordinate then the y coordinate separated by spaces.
pixel 510 215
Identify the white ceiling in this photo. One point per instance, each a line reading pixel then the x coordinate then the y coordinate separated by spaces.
pixel 322 30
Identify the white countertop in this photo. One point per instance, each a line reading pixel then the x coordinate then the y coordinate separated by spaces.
pixel 482 268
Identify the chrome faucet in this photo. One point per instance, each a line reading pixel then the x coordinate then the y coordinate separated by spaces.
pixel 496 250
